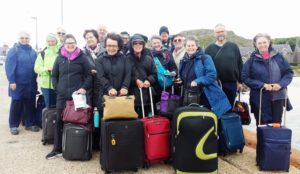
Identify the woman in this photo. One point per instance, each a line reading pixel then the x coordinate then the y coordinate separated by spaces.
pixel 143 75
pixel 266 68
pixel 198 73
pixel 113 69
pixel 71 73
pixel 22 84
pixel 43 67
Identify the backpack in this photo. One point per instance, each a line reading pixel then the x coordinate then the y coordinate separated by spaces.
pixel 162 74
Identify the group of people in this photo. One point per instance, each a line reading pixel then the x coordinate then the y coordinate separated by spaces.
pixel 119 64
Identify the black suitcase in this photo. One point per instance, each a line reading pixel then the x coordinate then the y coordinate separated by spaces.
pixel 49 116
pixel 77 142
pixel 194 140
pixel 122 145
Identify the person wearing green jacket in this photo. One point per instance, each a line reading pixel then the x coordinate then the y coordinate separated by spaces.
pixel 43 67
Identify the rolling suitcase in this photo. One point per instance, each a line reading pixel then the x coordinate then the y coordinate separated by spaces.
pixel 194 140
pixel 273 144
pixel 122 144
pixel 49 116
pixel 77 142
pixel 156 135
pixel 231 135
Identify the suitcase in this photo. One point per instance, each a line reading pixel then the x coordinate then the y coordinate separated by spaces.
pixel 194 140
pixel 122 144
pixel 49 116
pixel 231 135
pixel 156 135
pixel 77 142
pixel 273 145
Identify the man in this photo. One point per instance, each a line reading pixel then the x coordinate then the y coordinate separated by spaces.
pixel 125 37
pixel 164 34
pixel 102 32
pixel 179 50
pixel 60 33
pixel 228 61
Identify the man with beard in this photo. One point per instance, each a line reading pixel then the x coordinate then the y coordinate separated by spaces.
pixel 228 62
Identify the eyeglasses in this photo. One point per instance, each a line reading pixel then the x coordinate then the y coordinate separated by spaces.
pixel 61 33
pixel 112 46
pixel 70 43
pixel 177 40
pixel 24 38
pixel 137 43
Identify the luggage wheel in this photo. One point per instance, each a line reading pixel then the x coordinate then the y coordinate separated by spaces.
pixel 146 165
pixel 135 170
pixel 241 150
pixel 107 172
pixel 44 143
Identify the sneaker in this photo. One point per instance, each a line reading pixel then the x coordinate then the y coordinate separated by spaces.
pixel 53 154
pixel 33 128
pixel 14 131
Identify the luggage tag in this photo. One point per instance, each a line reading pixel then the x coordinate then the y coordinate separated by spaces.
pixel 113 140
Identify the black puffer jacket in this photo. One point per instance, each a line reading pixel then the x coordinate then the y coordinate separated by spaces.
pixel 69 76
pixel 112 72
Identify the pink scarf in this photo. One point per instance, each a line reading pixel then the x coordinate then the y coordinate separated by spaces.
pixel 265 55
pixel 70 56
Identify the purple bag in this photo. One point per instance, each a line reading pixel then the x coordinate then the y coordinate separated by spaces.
pixel 169 103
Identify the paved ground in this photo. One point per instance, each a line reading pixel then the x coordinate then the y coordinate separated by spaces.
pixel 24 153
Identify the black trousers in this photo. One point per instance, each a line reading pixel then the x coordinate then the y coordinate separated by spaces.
pixel 276 113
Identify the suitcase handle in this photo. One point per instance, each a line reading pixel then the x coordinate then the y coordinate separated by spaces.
pixel 142 101
pixel 260 103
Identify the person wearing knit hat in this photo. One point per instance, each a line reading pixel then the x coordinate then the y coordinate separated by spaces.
pixel 43 66
pixel 164 34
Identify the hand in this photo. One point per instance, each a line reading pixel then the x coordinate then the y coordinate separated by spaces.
pixel 276 87
pixel 268 87
pixel 81 91
pixel 173 74
pixel 50 70
pixel 147 84
pixel 123 92
pixel 93 71
pixel 178 81
pixel 13 86
pixel 193 84
pixel 139 83
pixel 240 87
pixel 112 92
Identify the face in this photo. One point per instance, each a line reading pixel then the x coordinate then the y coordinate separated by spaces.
pixel 262 44
pixel 137 46
pixel 112 47
pixel 61 34
pixel 190 47
pixel 70 45
pixel 102 32
pixel 125 39
pixel 156 44
pixel 178 42
pixel 90 39
pixel 24 39
pixel 220 33
pixel 164 36
pixel 51 41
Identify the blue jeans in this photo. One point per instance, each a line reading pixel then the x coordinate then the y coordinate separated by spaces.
pixel 49 96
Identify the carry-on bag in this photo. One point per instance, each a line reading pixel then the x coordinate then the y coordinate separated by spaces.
pixel 231 135
pixel 77 142
pixel 157 135
pixel 49 116
pixel 194 140
pixel 273 147
pixel 122 144
pixel 242 109
pixel 79 116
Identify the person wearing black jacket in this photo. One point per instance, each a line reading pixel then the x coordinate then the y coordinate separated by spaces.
pixel 113 69
pixel 71 73
pixel 143 73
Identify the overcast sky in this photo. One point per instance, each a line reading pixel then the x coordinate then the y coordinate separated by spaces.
pixel 245 17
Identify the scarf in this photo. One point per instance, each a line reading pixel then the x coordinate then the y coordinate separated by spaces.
pixel 70 56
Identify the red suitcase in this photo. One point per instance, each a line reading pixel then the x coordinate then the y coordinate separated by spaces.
pixel 157 134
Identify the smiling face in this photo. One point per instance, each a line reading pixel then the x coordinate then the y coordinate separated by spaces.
pixel 112 47
pixel 70 45
pixel 24 38
pixel 190 47
pixel 262 44
pixel 156 44
pixel 220 33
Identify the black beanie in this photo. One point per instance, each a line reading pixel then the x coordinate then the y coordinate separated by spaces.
pixel 163 29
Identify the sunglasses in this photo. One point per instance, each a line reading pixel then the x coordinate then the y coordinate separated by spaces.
pixel 177 40
pixel 61 33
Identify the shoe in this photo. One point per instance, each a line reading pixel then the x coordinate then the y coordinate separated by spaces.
pixel 14 131
pixel 33 128
pixel 53 154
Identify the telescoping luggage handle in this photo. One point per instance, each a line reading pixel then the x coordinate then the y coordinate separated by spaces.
pixel 142 101
pixel 260 103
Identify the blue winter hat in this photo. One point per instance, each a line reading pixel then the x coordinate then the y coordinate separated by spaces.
pixel 163 29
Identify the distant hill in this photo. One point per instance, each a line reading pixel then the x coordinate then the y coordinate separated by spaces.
pixel 206 37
